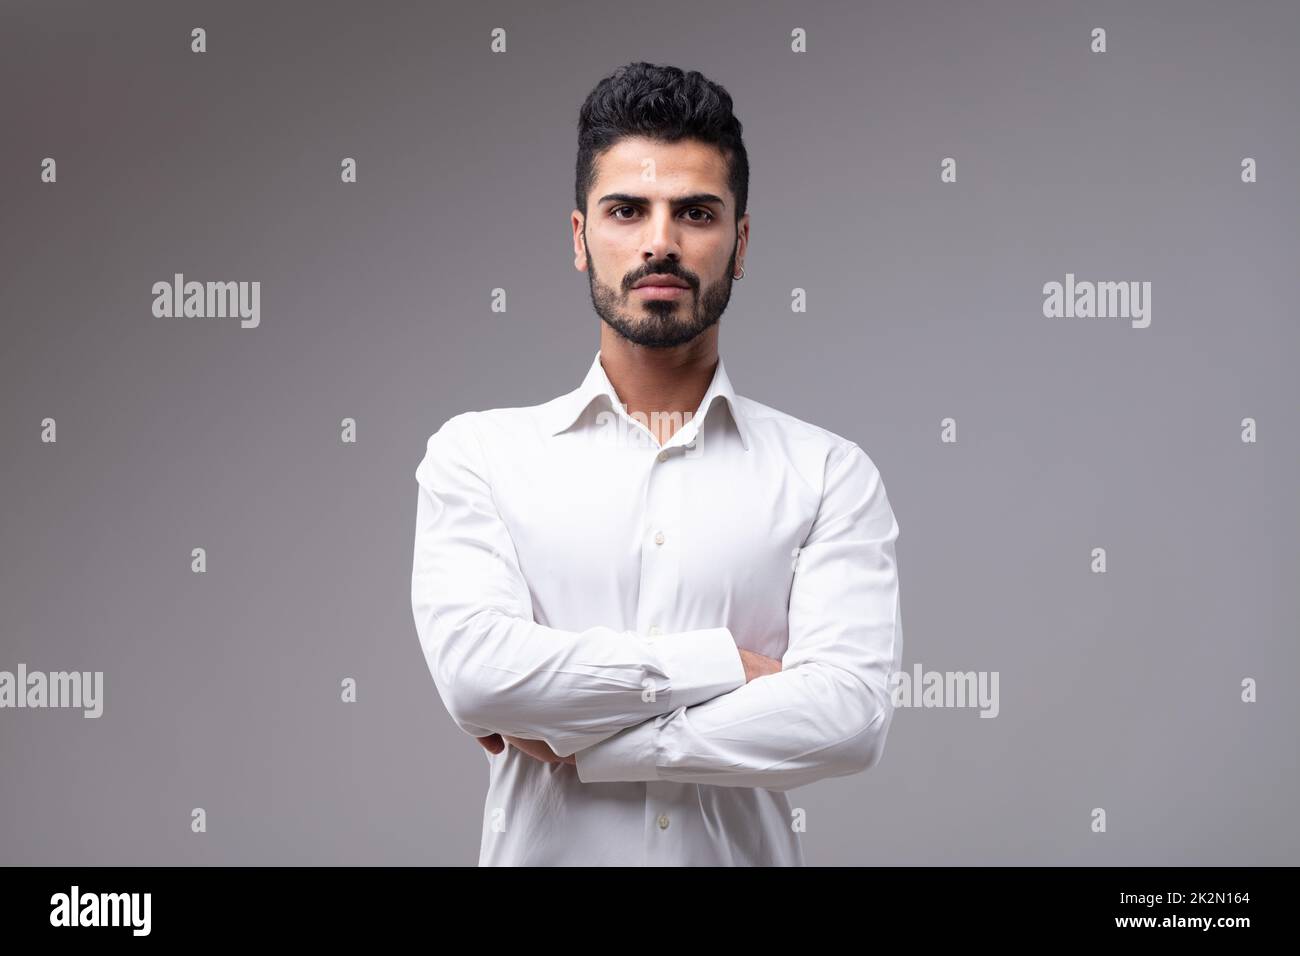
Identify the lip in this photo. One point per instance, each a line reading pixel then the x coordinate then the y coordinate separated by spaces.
pixel 651 291
pixel 663 279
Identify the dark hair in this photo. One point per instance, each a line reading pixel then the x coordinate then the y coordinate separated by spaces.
pixel 664 103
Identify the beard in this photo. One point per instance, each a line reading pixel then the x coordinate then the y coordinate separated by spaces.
pixel 662 323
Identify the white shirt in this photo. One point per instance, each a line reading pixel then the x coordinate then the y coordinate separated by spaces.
pixel 576 583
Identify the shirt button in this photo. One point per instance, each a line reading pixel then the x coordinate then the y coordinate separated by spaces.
pixel 663 456
pixel 663 821
pixel 654 628
pixel 659 537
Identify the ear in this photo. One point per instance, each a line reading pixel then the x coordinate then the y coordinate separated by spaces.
pixel 742 240
pixel 579 223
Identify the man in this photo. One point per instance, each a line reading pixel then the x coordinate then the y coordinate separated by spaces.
pixel 658 604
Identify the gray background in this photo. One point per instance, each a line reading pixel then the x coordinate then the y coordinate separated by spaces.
pixel 222 690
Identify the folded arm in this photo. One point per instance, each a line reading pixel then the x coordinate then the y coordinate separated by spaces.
pixel 496 669
pixel 828 711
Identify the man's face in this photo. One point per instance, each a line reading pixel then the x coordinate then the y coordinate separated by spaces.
pixel 660 209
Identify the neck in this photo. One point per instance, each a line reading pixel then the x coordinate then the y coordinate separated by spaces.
pixel 664 385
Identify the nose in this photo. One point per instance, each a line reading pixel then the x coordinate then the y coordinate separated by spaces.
pixel 661 238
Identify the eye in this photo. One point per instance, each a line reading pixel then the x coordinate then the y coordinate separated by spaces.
pixel 708 216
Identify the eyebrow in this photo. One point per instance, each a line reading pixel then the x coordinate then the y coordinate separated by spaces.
pixel 694 199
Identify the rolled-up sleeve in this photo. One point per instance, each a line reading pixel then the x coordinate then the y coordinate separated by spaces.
pixel 827 712
pixel 495 668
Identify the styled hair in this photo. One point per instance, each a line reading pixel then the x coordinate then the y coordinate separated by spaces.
pixel 666 104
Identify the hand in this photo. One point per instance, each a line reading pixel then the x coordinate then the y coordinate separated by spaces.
pixel 757 665
pixel 537 749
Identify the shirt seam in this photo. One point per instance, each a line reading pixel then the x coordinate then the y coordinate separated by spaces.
pixel 826 483
pixel 487 465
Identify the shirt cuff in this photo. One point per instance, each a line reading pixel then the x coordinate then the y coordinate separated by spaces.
pixel 631 754
pixel 701 664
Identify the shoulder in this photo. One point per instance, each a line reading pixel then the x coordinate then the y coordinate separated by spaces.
pixel 850 487
pixel 491 428
pixel 471 436
pixel 820 452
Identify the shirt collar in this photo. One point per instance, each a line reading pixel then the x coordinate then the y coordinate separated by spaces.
pixel 564 411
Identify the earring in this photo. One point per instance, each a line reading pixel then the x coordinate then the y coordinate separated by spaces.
pixel 742 273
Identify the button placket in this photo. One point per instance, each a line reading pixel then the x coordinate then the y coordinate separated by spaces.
pixel 660 566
